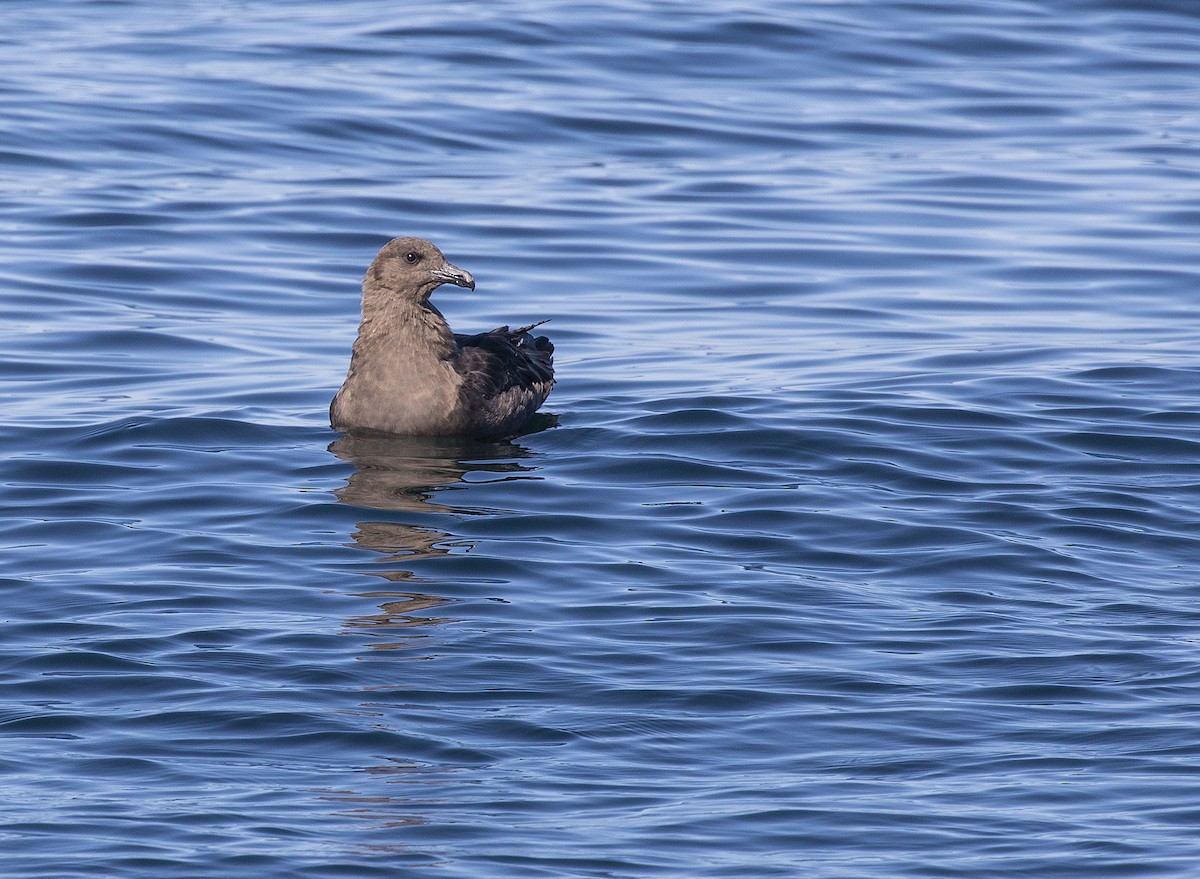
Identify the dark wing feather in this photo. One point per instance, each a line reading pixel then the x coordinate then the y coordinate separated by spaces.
pixel 496 362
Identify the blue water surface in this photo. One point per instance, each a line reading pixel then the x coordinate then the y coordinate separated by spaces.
pixel 860 540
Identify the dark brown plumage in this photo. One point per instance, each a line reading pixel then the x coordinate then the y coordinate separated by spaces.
pixel 410 374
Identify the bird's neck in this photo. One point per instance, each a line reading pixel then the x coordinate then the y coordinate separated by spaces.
pixel 396 329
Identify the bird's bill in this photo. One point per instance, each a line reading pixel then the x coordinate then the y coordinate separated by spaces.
pixel 449 274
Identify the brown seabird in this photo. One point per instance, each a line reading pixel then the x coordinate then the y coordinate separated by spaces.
pixel 411 374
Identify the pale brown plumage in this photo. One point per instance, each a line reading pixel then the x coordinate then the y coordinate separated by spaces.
pixel 411 374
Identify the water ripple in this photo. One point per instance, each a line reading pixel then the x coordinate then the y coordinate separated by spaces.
pixel 863 508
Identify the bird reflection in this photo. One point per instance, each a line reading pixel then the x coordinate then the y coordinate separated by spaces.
pixel 405 488
pixel 403 474
pixel 412 475
pixel 398 473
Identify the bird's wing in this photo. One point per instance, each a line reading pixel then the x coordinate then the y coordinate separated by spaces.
pixel 499 361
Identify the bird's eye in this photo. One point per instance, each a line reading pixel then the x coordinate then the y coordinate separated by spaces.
pixel 412 257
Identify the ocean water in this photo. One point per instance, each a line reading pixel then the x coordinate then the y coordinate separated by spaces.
pixel 860 537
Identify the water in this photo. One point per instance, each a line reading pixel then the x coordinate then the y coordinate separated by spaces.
pixel 859 540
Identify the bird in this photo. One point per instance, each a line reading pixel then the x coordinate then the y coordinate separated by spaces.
pixel 410 374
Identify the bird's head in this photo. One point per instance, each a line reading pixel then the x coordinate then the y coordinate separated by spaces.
pixel 413 268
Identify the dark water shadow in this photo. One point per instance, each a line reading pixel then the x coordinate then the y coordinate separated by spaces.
pixel 408 493
pixel 414 477
pixel 407 474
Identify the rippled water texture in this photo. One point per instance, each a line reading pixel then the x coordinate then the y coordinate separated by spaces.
pixel 859 538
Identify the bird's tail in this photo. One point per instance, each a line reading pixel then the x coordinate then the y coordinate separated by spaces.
pixel 530 327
